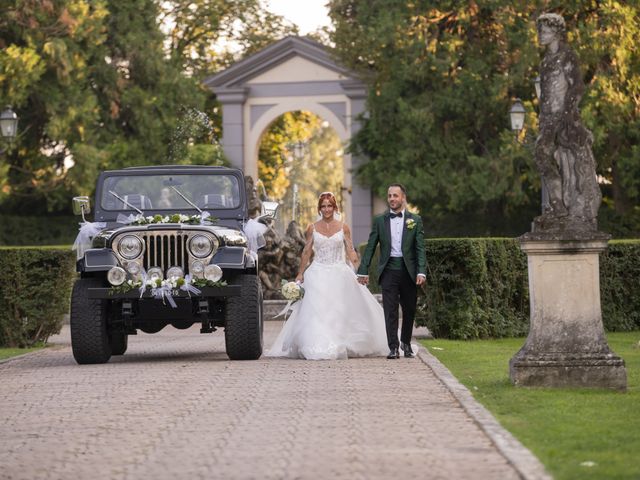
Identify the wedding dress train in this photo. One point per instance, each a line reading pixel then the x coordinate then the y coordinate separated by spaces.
pixel 338 317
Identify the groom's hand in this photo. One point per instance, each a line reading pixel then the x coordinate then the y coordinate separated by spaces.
pixel 421 280
pixel 363 279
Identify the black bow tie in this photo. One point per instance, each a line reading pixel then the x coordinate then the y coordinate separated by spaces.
pixel 394 215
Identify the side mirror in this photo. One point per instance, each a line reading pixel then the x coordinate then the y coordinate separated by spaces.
pixel 270 209
pixel 81 206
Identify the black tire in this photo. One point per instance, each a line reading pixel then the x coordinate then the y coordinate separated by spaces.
pixel 243 329
pixel 88 318
pixel 119 342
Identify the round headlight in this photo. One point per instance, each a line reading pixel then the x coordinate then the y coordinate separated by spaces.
pixel 197 268
pixel 200 246
pixel 175 272
pixel 116 276
pixel 213 273
pixel 155 273
pixel 133 268
pixel 130 246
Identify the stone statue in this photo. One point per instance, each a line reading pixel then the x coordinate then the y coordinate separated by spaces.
pixel 279 259
pixel 563 149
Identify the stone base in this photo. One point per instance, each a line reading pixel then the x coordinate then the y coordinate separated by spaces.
pixel 568 371
pixel 566 345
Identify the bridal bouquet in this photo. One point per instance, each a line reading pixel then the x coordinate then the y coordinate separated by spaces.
pixel 292 291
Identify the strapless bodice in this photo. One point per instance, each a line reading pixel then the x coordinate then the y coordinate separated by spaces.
pixel 328 250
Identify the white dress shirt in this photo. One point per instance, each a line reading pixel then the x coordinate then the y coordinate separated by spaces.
pixel 397 224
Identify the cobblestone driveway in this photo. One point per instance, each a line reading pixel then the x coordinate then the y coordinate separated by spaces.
pixel 175 407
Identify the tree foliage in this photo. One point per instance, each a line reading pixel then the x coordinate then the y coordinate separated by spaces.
pixel 443 76
pixel 319 168
pixel 112 83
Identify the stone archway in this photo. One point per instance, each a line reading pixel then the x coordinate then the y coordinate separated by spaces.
pixel 293 74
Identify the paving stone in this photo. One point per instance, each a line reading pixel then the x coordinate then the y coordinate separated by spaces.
pixel 175 407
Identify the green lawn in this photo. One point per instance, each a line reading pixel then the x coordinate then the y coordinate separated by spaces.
pixel 14 352
pixel 577 434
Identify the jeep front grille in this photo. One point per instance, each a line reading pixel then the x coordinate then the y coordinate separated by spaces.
pixel 166 249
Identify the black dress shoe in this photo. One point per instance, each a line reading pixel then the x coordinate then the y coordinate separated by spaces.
pixel 393 353
pixel 408 352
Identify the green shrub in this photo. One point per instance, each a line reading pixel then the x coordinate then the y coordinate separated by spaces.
pixel 478 288
pixel 34 293
pixel 48 230
pixel 620 285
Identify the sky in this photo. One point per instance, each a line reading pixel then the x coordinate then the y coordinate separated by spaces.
pixel 309 15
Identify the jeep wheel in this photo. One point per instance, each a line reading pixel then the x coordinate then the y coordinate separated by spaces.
pixel 243 329
pixel 119 342
pixel 88 318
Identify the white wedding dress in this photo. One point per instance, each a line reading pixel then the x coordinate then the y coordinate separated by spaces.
pixel 337 318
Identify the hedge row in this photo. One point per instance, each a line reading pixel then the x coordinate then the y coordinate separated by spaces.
pixel 18 230
pixel 34 293
pixel 478 288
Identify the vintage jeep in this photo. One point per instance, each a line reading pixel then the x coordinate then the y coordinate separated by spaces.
pixel 166 247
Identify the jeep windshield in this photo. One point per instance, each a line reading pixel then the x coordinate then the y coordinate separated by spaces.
pixel 170 192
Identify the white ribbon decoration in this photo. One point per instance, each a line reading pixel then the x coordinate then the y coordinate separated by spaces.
pixel 128 219
pixel 88 230
pixel 204 218
pixel 187 287
pixel 160 293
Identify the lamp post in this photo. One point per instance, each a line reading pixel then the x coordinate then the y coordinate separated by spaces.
pixel 517 113
pixel 8 125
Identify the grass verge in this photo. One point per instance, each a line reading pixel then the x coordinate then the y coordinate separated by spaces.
pixel 576 433
pixel 14 352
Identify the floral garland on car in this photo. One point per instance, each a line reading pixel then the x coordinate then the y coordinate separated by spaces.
pixel 139 219
pixel 163 289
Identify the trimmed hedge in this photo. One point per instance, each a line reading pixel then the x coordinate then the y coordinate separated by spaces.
pixel 478 288
pixel 34 293
pixel 620 285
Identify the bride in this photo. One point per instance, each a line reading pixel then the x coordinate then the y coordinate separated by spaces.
pixel 337 317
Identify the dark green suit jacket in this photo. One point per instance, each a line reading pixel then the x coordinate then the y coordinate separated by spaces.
pixel 413 252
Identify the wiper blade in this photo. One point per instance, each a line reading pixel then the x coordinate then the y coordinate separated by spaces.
pixel 125 202
pixel 186 199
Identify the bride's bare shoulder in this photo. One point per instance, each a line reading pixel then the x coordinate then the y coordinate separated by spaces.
pixel 310 229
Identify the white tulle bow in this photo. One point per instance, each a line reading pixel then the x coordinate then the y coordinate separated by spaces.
pixel 88 230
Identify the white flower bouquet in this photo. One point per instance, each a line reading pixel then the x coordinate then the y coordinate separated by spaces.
pixel 292 291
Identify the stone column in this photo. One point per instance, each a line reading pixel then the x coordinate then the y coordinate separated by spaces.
pixel 361 198
pixel 232 100
pixel 566 346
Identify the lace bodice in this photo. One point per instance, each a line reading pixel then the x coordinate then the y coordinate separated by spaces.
pixel 328 250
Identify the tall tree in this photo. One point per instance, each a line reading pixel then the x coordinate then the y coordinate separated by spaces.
pixel 110 83
pixel 443 76
pixel 100 92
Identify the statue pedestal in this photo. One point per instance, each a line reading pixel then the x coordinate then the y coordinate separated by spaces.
pixel 566 346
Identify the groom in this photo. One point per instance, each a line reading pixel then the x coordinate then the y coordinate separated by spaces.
pixel 401 267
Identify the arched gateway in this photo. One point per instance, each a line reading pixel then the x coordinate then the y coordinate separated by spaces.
pixel 292 74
